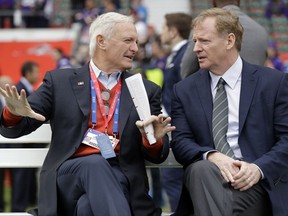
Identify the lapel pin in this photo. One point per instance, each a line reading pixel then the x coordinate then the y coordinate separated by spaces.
pixel 80 83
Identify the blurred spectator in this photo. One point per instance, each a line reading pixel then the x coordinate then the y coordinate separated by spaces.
pixel 85 18
pixel 159 54
pixel 81 55
pixel 273 59
pixel 276 7
pixel 151 66
pixel 141 27
pixel 140 9
pixel 33 13
pixel 61 15
pixel 18 21
pixel 108 6
pixel 6 16
pixel 77 5
pixel 3 80
pixel 62 61
pixel 175 34
pixel 141 60
pixel 24 180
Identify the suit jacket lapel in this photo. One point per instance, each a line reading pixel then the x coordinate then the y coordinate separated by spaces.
pixel 126 103
pixel 205 96
pixel 81 86
pixel 248 86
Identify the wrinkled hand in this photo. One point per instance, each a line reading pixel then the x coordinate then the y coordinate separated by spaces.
pixel 248 175
pixel 160 126
pixel 18 104
pixel 225 164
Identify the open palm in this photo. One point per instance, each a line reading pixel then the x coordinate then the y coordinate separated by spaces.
pixel 18 104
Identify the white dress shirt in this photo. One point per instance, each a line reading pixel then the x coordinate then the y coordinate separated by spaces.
pixel 108 81
pixel 232 78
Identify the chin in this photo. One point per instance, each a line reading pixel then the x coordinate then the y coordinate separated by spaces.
pixel 203 66
pixel 127 66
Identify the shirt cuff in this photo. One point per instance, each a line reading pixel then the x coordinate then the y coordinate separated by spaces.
pixel 262 174
pixel 9 119
pixel 206 153
pixel 155 149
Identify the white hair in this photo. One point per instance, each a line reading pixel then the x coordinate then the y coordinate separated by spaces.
pixel 104 25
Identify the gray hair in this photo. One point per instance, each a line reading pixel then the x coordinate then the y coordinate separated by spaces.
pixel 104 25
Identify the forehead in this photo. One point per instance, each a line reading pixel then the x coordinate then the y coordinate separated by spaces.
pixel 124 29
pixel 205 26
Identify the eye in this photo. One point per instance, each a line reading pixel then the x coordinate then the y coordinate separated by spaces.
pixel 128 40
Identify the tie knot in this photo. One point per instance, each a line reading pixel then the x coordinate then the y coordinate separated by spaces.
pixel 221 82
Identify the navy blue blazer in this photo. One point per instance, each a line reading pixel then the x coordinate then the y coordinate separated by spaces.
pixel 263 125
pixel 172 76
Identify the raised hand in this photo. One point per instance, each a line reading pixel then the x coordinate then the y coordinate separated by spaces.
pixel 18 104
pixel 160 125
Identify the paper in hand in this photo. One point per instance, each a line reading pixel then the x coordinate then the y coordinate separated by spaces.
pixel 139 96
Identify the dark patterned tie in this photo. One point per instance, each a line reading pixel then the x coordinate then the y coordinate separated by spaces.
pixel 220 120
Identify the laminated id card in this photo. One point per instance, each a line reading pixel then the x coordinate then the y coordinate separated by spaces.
pixel 90 138
pixel 105 146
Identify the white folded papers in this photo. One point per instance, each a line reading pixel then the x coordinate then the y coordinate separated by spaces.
pixel 141 102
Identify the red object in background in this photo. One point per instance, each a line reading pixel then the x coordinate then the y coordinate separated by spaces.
pixel 7 23
pixel 13 54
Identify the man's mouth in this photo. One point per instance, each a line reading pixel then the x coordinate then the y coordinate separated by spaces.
pixel 131 57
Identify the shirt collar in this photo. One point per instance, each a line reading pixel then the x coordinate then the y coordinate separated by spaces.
pixel 100 74
pixel 179 45
pixel 231 76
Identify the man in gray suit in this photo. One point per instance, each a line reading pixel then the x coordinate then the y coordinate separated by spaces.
pixel 254 45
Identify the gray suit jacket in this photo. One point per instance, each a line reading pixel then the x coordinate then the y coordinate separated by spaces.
pixel 254 44
pixel 67 104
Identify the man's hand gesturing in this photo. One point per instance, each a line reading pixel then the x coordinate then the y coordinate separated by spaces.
pixel 18 104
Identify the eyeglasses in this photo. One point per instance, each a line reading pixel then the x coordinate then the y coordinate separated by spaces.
pixel 105 94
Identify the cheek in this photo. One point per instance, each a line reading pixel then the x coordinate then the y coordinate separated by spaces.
pixel 213 50
pixel 163 37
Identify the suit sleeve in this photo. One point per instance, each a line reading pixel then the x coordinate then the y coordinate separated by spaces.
pixel 274 163
pixel 40 103
pixel 184 145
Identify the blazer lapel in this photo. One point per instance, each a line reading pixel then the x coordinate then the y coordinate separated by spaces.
pixel 81 86
pixel 248 85
pixel 126 103
pixel 205 96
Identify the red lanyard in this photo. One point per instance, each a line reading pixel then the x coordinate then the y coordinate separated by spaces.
pixel 100 101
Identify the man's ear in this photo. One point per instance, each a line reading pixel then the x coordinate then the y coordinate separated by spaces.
pixel 173 32
pixel 230 40
pixel 100 41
